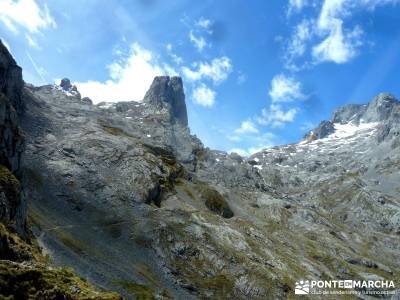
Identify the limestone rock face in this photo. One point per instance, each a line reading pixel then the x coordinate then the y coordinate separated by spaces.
pixel 324 129
pixel 12 208
pixel 168 91
pixel 347 113
pixel 11 82
pixel 382 108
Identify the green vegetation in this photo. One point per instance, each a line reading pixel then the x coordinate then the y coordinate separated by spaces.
pixel 164 153
pixel 9 184
pixel 349 175
pixel 141 292
pixel 215 201
pixel 113 130
pixel 12 247
pixel 34 280
pixel 221 285
pixel 71 242
pixel 19 281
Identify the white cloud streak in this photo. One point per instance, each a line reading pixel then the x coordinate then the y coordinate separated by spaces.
pixel 285 89
pixel 276 117
pixel 246 127
pixel 339 45
pixel 217 71
pixel 198 42
pixel 204 96
pixel 326 35
pixel 25 14
pixel 129 77
pixel 41 72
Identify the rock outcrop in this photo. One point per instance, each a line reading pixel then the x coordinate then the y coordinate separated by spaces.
pixel 382 108
pixel 324 129
pixel 11 82
pixel 70 90
pixel 168 92
pixel 12 208
pixel 348 113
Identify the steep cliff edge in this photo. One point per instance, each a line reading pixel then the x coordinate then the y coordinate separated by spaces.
pixel 12 208
pixel 25 273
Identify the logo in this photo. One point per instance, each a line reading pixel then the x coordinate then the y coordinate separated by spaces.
pixel 348 284
pixel 302 287
pixel 345 287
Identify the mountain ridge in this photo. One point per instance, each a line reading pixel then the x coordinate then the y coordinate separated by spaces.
pixel 125 195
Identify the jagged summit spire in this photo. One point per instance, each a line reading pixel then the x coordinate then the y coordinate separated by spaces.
pixel 169 91
pixel 66 84
pixel 70 89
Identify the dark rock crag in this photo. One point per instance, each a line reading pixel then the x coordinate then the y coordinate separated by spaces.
pixel 168 91
pixel 12 208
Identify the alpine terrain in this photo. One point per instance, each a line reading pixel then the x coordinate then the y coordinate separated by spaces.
pixel 120 200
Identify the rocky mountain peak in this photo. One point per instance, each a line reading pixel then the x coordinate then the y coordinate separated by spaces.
pixel 381 108
pixel 168 92
pixel 324 129
pixel 66 84
pixel 69 89
pixel 11 82
pixel 348 113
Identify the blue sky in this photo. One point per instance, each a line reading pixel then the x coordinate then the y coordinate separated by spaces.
pixel 256 73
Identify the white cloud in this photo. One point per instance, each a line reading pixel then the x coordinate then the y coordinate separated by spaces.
pixel 339 45
pixel 326 34
pixel 218 70
pixel 241 152
pixel 241 78
pixel 297 45
pixel 41 72
pixel 177 59
pixel 198 42
pixel 275 116
pixel 129 77
pixel 253 150
pixel 372 4
pixel 204 23
pixel 296 6
pixel 204 96
pixel 246 127
pixel 285 89
pixel 32 42
pixel 26 14
pixel 259 142
pixel 234 138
